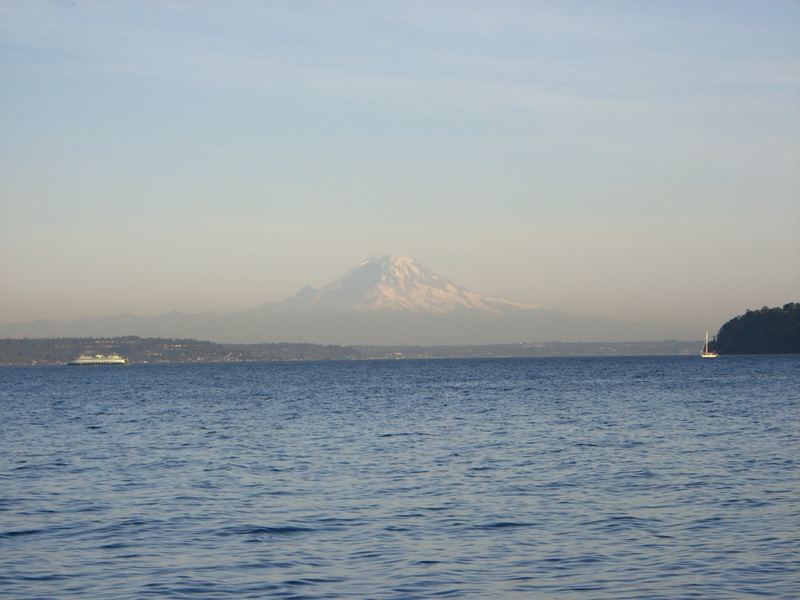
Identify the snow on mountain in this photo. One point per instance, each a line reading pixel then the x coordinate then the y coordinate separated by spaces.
pixel 394 283
pixel 383 301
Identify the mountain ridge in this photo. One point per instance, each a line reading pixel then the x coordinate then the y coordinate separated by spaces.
pixel 384 300
pixel 390 283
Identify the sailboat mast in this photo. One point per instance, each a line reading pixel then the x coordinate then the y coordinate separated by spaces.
pixel 707 353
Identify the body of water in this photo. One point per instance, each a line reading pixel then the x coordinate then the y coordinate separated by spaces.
pixel 520 478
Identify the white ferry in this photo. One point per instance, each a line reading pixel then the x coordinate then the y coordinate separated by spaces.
pixel 99 359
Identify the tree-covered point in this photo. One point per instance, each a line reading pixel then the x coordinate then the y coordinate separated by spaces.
pixel 764 331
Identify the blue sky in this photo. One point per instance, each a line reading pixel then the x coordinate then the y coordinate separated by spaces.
pixel 631 159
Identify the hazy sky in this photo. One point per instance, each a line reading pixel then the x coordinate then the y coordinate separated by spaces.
pixel 632 159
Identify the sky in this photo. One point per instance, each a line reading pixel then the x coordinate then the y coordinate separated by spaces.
pixel 635 159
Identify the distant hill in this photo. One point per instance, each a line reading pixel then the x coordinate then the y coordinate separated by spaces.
pixel 57 351
pixel 763 331
pixel 385 300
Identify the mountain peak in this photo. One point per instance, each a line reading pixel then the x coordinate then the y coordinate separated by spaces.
pixel 394 283
pixel 388 263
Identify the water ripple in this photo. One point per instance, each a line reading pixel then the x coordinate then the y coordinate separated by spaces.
pixel 552 478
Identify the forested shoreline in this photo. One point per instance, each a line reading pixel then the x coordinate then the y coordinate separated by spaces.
pixel 763 331
pixel 58 351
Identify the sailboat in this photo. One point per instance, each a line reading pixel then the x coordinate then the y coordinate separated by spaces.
pixel 706 353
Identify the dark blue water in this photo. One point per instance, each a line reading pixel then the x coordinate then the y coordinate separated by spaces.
pixel 552 478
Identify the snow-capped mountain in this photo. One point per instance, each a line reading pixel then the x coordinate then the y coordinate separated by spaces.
pixel 383 301
pixel 393 283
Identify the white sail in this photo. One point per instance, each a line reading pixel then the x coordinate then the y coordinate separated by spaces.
pixel 706 353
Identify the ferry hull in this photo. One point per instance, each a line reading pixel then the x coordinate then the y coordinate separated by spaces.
pixel 75 363
pixel 98 359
